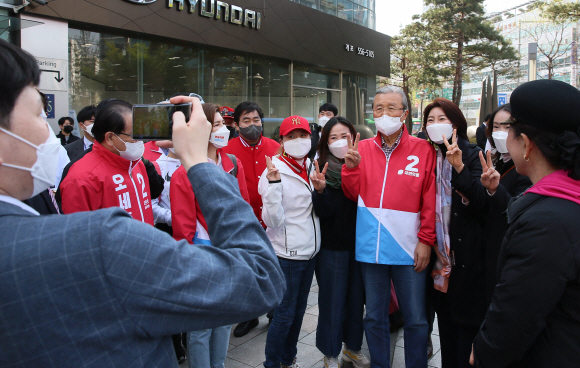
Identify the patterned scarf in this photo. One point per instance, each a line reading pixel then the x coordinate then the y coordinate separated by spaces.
pixel 333 173
pixel 442 270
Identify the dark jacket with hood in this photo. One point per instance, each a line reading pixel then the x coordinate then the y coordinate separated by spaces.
pixel 534 318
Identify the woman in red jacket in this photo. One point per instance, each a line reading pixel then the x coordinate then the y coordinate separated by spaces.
pixel 206 348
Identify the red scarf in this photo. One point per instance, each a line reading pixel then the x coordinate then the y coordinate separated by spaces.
pixel 298 169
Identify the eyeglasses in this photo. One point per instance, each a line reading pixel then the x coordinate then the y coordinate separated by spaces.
pixel 128 135
pixel 390 110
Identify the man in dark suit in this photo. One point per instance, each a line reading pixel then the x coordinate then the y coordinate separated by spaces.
pixel 480 133
pixel 86 119
pixel 115 298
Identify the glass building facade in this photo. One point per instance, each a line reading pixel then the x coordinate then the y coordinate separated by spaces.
pixel 147 71
pixel 291 65
pixel 357 11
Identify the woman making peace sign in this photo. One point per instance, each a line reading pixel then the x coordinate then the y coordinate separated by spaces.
pixel 459 275
pixel 294 230
pixel 341 289
pixel 503 182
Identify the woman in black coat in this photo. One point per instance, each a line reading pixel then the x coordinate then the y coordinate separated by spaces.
pixel 341 290
pixel 460 275
pixel 534 317
pixel 511 184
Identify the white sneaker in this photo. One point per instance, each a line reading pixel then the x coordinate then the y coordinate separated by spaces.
pixel 357 358
pixel 330 362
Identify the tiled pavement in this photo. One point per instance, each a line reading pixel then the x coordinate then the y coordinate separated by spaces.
pixel 248 351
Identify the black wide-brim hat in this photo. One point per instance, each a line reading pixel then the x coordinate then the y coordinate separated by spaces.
pixel 547 104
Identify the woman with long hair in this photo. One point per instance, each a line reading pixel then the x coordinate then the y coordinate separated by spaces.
pixel 208 347
pixel 341 290
pixel 459 275
pixel 534 317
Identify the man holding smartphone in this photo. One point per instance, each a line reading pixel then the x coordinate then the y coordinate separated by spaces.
pixel 115 298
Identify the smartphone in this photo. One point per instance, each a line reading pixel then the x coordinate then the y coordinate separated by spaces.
pixel 155 122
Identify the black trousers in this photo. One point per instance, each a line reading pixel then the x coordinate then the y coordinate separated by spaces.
pixel 456 340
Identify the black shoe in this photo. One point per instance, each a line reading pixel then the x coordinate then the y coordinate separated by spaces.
pixel 243 328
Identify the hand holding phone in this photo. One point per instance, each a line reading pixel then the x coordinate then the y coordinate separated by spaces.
pixel 190 137
pixel 155 122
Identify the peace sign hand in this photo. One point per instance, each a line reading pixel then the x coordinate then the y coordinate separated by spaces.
pixel 454 154
pixel 352 157
pixel 318 178
pixel 273 173
pixel 490 177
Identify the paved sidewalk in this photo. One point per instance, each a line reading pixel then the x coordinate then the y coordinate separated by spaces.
pixel 248 351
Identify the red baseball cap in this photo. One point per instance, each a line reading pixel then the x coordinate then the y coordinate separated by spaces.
pixel 292 123
pixel 227 113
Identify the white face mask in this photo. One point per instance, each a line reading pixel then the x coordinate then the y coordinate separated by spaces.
pixel 437 131
pixel 500 140
pixel 133 151
pixel 44 170
pixel 298 148
pixel 220 137
pixel 323 120
pixel 89 129
pixel 388 125
pixel 339 148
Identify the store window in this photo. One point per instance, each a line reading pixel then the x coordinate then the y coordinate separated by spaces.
pixel 105 65
pixel 144 71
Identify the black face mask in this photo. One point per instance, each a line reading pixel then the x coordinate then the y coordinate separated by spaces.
pixel 68 129
pixel 252 132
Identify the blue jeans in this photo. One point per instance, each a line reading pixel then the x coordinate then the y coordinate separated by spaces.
pixel 410 289
pixel 340 302
pixel 282 340
pixel 208 348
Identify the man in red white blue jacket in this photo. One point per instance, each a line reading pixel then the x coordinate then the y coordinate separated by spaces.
pixel 392 177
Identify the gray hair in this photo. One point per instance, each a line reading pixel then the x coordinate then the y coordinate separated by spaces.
pixel 393 89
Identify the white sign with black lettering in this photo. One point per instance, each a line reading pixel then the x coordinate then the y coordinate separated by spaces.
pixel 54 74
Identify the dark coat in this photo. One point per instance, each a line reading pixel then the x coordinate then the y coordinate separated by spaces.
pixel 466 291
pixel 511 185
pixel 534 317
pixel 64 142
pixel 75 149
pixel 337 216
